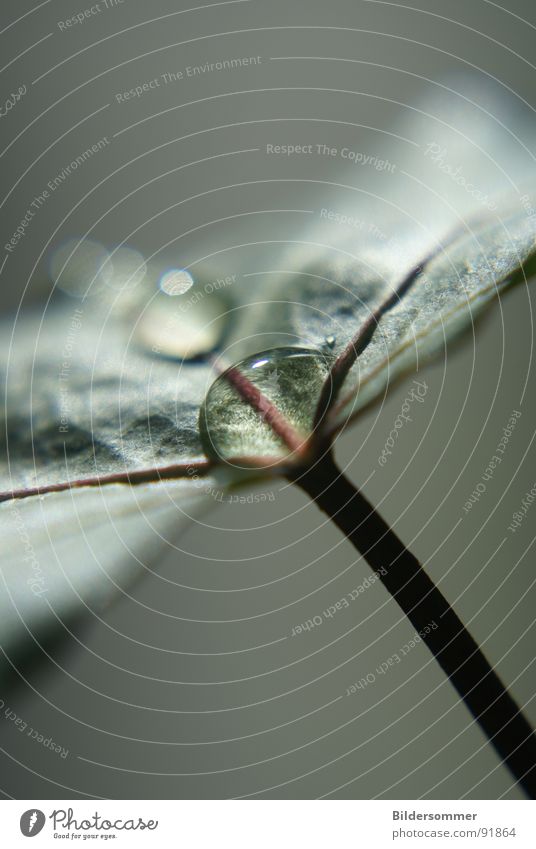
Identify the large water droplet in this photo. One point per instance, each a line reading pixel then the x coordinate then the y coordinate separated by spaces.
pixel 183 329
pixel 291 378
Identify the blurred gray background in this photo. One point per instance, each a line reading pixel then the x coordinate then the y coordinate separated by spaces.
pixel 191 686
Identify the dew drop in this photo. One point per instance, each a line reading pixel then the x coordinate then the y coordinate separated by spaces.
pixel 182 329
pixel 176 281
pixel 291 378
pixel 330 341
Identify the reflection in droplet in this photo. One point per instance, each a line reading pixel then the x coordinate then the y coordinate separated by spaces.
pixel 183 329
pixel 330 341
pixel 289 377
pixel 81 268
pixel 176 282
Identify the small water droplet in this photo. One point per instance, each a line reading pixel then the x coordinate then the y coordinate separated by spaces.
pixel 330 341
pixel 183 329
pixel 176 282
pixel 291 378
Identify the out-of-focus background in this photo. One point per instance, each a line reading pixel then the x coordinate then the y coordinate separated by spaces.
pixel 191 685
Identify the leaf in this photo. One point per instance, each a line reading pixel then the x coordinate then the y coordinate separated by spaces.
pixel 445 300
pixel 459 203
pixel 84 402
pixel 85 399
pixel 68 553
pixel 82 399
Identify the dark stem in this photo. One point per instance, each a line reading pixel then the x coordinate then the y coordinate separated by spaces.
pixel 451 643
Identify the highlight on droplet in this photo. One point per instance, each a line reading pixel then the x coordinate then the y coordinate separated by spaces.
pixel 176 281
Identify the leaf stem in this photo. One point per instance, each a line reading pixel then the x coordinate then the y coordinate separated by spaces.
pixel 355 347
pixel 266 410
pixel 452 645
pixel 134 477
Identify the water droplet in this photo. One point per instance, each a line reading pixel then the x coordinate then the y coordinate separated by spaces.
pixel 81 268
pixel 176 282
pixel 184 329
pixel 330 341
pixel 289 377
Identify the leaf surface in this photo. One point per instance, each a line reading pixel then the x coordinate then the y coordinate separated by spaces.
pixel 83 398
pixel 84 402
